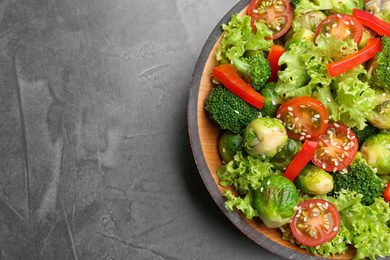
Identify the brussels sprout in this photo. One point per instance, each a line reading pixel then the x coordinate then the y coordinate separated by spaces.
pixel 346 6
pixel 275 200
pixel 271 102
pixel 313 180
pixel 311 20
pixel 376 151
pixel 300 38
pixel 381 118
pixel 286 155
pixel 264 137
pixel 228 145
pixel 367 34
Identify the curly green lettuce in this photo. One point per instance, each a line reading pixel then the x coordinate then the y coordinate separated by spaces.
pixel 239 37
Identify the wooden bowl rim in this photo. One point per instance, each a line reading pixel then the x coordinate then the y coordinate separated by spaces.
pixel 200 160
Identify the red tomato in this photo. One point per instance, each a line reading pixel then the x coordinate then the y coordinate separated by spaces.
pixel 315 222
pixel 300 161
pixel 336 68
pixel 304 118
pixel 341 26
pixel 336 148
pixel 276 15
pixel 273 58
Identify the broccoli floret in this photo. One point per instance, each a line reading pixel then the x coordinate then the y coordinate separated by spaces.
pixel 228 110
pixel 362 135
pixel 359 177
pixel 383 62
pixel 255 70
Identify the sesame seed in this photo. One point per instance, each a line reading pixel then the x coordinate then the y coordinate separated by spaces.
pixel 328 99
pixel 303 133
pixel 301 138
pixel 383 94
pixel 268 182
pixel 329 132
pixel 334 169
pixel 334 25
pixel 223 150
pixel 261 189
pixel 339 16
pixel 298 215
pixel 327 34
pixel 291 114
pixel 352 23
pixel 278 115
pixel 335 229
pixel 296 119
pixel 290 109
pixel 347 31
pixel 302 106
pixel 273 102
pixel 326 121
pixel 317 116
pixel 308 136
pixel 336 125
pixel 235 111
pixel 323 166
pixel 340 240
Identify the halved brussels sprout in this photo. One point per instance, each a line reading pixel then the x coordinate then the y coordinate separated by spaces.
pixel 286 155
pixel 376 151
pixel 272 101
pixel 228 145
pixel 367 34
pixel 313 180
pixel 300 38
pixel 264 137
pixel 311 20
pixel 275 200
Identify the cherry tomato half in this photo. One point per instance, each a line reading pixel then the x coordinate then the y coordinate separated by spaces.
pixel 336 148
pixel 305 118
pixel 277 15
pixel 315 222
pixel 341 26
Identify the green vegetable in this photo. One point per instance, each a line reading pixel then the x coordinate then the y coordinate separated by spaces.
pixel 239 37
pixel 382 73
pixel 272 101
pixel 275 200
pixel 359 177
pixel 311 20
pixel 300 38
pixel 363 134
pixel 255 69
pixel 346 6
pixel 376 151
pixel 243 204
pixel 313 180
pixel 264 137
pixel 228 146
pixel 245 173
pixel 304 6
pixel 284 157
pixel 228 110
pixel 381 116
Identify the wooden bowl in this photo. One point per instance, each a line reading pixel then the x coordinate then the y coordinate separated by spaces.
pixel 204 135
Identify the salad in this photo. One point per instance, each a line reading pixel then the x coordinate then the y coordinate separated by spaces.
pixel 302 96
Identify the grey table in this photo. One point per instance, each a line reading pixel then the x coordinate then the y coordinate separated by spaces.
pixel 95 160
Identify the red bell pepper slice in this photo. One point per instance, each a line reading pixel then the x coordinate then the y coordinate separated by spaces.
pixel 228 76
pixel 373 22
pixel 273 58
pixel 300 161
pixel 373 46
pixel 386 193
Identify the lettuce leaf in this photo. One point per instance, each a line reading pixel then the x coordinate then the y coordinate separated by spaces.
pixel 239 37
pixel 243 204
pixel 245 173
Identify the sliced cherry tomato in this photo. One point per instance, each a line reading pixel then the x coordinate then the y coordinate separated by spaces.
pixel 227 74
pixel 300 161
pixel 315 222
pixel 304 118
pixel 277 15
pixel 386 193
pixel 373 22
pixel 273 58
pixel 369 51
pixel 341 26
pixel 336 148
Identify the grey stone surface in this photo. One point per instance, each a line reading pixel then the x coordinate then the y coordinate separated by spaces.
pixel 95 161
